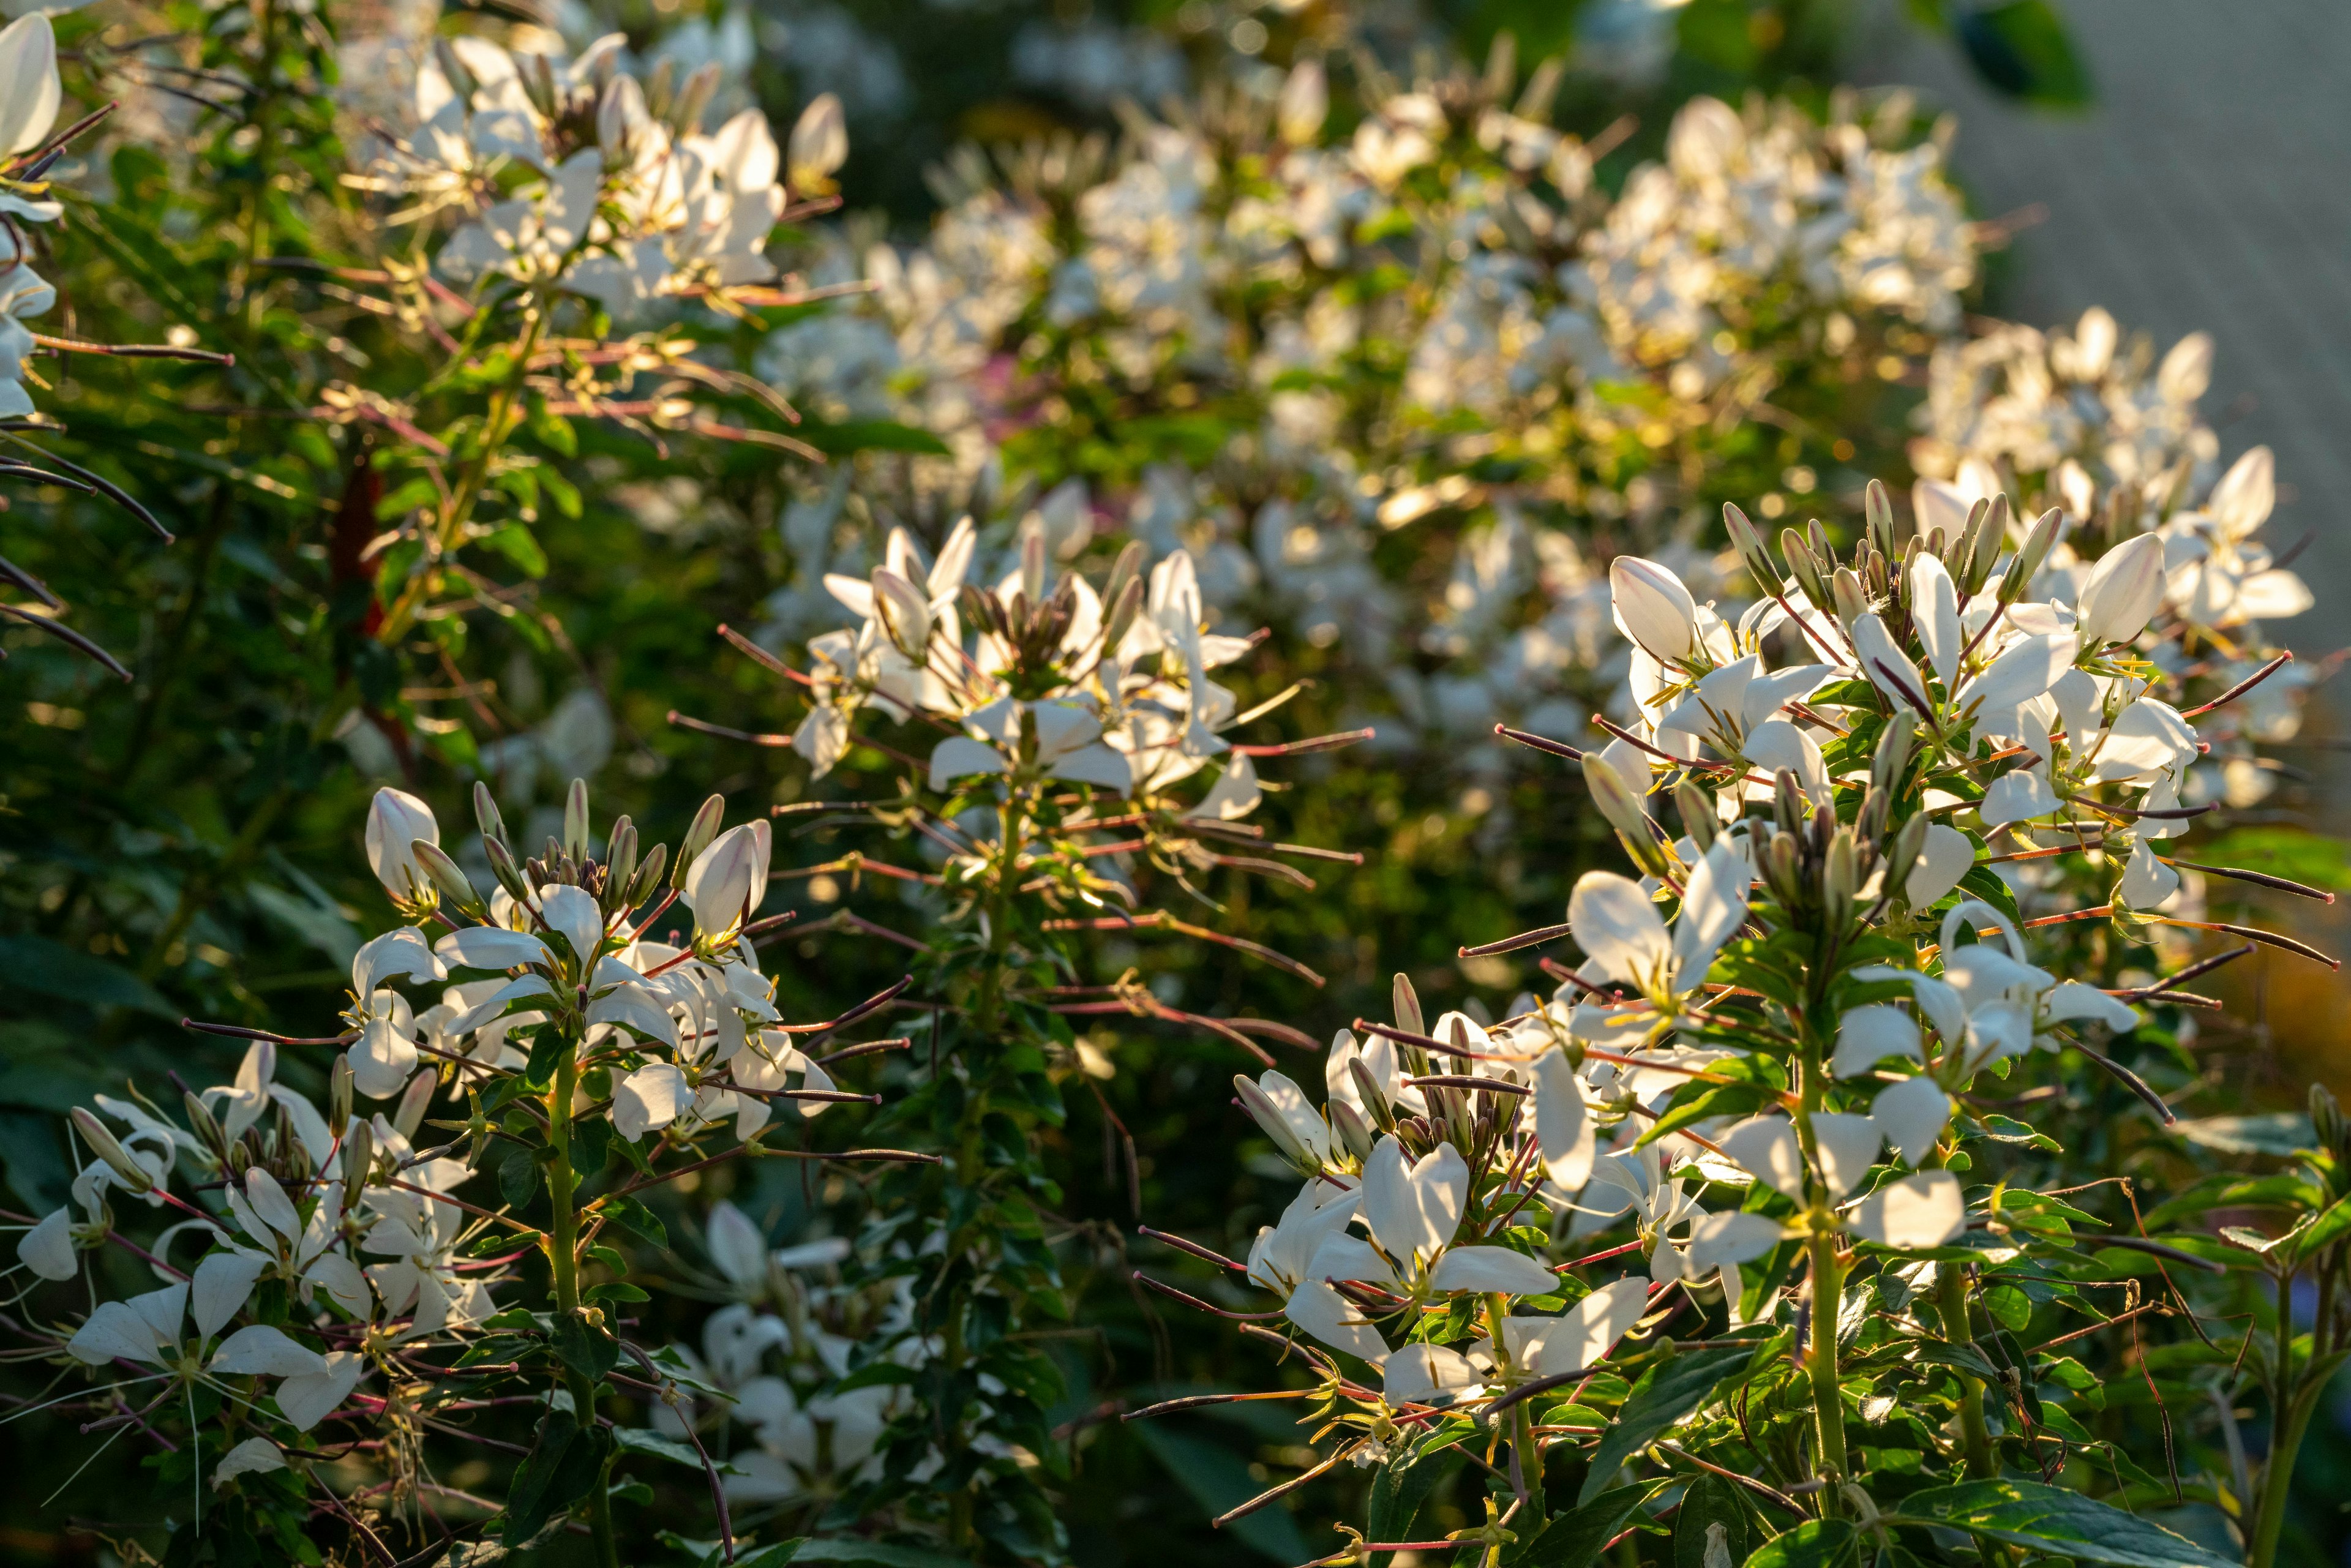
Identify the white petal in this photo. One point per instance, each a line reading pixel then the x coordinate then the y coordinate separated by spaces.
pixel 1096 765
pixel 1491 1269
pixel 2124 589
pixel 1730 1237
pixel 959 755
pixel 269 1201
pixel 495 1004
pixel 735 1245
pixel 2021 796
pixel 1868 1035
pixel 1846 1145
pixel 221 1285
pixel 491 947
pixel 342 1279
pixel 1324 1313
pixel 114 1333
pixel 1420 1374
pixel 1652 608
pixel 1563 1124
pixel 1935 611
pixel 394 955
pixel 637 1007
pixel 1766 1148
pixel 1714 901
pixel 1912 1115
pixel 1617 926
pixel 2023 672
pixel 1943 859
pixel 29 90
pixel 572 913
pixel 309 1398
pixel 47 1248
pixel 1923 1210
pixel 1581 1337
pixel 648 1100
pixel 2071 999
pixel 255 1456
pixel 258 1348
pixel 2145 882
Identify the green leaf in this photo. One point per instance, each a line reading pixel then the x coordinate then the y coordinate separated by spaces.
pixel 49 969
pixel 880 1553
pixel 1667 1392
pixel 2059 1522
pixel 2022 48
pixel 636 1440
pixel 1574 1539
pixel 2278 1133
pixel 562 1464
pixel 615 1291
pixel 518 545
pixel 1709 1502
pixel 1818 1543
pixel 591 1353
pixel 1220 1480
pixel 1398 1492
pixel 635 1218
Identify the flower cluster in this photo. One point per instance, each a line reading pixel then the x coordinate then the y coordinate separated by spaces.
pixel 1770 1060
pixel 1439 315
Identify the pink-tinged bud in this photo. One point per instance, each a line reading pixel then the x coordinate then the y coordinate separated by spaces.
pixel 108 1147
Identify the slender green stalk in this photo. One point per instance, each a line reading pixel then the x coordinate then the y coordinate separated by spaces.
pixel 1975 1436
pixel 563 1258
pixel 1827 1275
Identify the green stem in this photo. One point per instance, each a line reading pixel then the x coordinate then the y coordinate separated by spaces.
pixel 1974 1436
pixel 1828 1280
pixel 450 531
pixel 563 1257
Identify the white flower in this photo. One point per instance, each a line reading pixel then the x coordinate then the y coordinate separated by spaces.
pixel 48 1247
pixel 1580 1338
pixel 649 1099
pixel 1653 609
pixel 2124 591
pixel 1618 925
pixel 728 881
pixel 1923 1210
pixel 820 144
pixel 255 1456
pixel 396 820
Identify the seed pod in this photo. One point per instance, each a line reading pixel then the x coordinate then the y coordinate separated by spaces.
pixel 1697 814
pixel 575 821
pixel 449 878
pixel 698 834
pixel 1407 1004
pixel 486 813
pixel 106 1146
pixel 1878 509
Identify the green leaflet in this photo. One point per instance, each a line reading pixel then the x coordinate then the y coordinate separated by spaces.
pixel 2059 1522
pixel 1398 1492
pixel 1667 1392
pixel 1710 1500
pixel 1821 1543
pixel 1574 1539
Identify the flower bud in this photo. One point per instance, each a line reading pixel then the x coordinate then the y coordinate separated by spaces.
pixel 503 867
pixel 1349 1124
pixel 449 878
pixel 1753 553
pixel 729 879
pixel 1840 879
pixel 397 820
pixel 202 1122
pixel 1652 607
pixel 2122 593
pixel 620 860
pixel 339 1096
pixel 1697 814
pixel 649 876
pixel 1852 604
pixel 106 1146
pixel 1782 870
pixel 1893 753
pixel 1962 556
pixel 1123 612
pixel 409 1114
pixel 698 834
pixel 1870 820
pixel 1877 509
pixel 1405 1003
pixel 1375 1097
pixel 818 146
pixel 1617 802
pixel 1902 855
pixel 575 822
pixel 358 1155
pixel 1990 540
pixel 1033 558
pixel 1787 801
pixel 1810 574
pixel 1304 103
pixel 1268 1116
pixel 485 814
